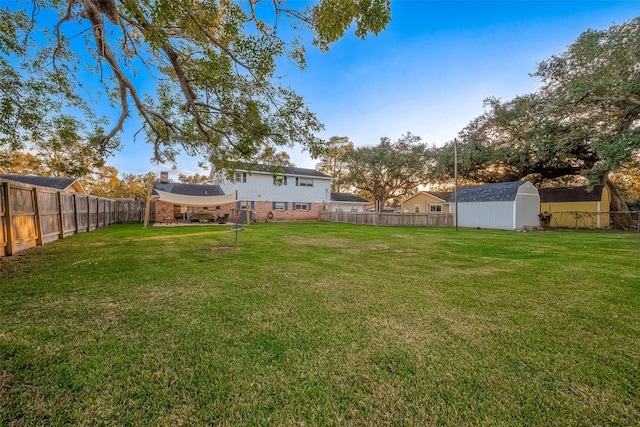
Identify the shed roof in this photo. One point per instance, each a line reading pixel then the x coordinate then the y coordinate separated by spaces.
pixel 347 197
pixel 571 194
pixel 498 192
pixel 56 182
pixel 188 189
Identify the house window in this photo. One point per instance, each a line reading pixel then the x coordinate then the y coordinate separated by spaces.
pixel 302 207
pixel 243 205
pixel 304 182
pixel 354 209
pixel 436 208
pixel 279 180
pixel 279 206
pixel 240 177
pixel 416 208
pixel 338 210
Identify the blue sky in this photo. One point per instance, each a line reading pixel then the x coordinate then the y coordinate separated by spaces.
pixel 427 73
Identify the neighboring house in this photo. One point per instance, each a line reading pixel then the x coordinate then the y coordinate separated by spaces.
pixel 576 207
pixel 180 201
pixel 427 202
pixel 289 195
pixel 55 182
pixel 505 205
pixel 347 202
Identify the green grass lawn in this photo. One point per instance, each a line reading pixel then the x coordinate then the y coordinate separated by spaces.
pixel 322 324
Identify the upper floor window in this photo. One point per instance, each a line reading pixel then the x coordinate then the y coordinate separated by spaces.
pixel 240 177
pixel 279 180
pixel 416 208
pixel 304 182
pixel 436 208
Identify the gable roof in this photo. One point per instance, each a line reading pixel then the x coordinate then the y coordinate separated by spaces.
pixel 498 192
pixel 442 195
pixel 347 197
pixel 286 170
pixel 188 189
pixel 571 194
pixel 55 182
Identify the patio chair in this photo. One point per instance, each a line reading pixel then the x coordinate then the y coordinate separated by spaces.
pixel 222 219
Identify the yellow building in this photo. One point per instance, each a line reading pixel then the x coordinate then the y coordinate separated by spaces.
pixel 427 202
pixel 575 207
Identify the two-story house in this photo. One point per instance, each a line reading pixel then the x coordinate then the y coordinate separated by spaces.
pixel 280 194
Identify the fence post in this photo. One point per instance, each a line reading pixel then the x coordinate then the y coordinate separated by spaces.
pixel 75 212
pixel 8 222
pixel 36 211
pixel 88 199
pixel 60 220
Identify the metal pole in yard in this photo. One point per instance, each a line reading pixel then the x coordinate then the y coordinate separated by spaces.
pixel 455 174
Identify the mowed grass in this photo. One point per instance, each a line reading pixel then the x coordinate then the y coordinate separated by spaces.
pixel 322 324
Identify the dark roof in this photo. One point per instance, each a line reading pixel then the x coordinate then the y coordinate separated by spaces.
pixel 499 192
pixel 286 170
pixel 571 194
pixel 443 195
pixel 347 197
pixel 57 182
pixel 189 189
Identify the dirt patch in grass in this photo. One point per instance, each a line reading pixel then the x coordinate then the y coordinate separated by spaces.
pixel 318 241
pixel 6 382
pixel 179 236
pixel 221 248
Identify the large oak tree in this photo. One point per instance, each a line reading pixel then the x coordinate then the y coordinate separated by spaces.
pixel 582 124
pixel 389 170
pixel 200 74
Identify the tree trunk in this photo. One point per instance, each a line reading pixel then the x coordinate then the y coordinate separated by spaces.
pixel 617 202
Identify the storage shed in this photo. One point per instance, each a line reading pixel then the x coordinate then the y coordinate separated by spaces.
pixel 576 207
pixel 505 205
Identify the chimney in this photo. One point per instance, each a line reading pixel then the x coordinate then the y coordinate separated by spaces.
pixel 164 177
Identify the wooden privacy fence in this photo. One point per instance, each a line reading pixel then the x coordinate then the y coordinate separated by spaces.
pixel 32 216
pixel 390 218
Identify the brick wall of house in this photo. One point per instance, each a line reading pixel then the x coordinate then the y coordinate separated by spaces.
pixel 164 211
pixel 262 210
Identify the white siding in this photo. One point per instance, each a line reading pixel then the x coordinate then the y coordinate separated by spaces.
pixel 486 214
pixel 527 207
pixel 347 206
pixel 260 187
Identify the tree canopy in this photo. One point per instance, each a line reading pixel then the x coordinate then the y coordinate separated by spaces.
pixel 334 161
pixel 582 124
pixel 200 74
